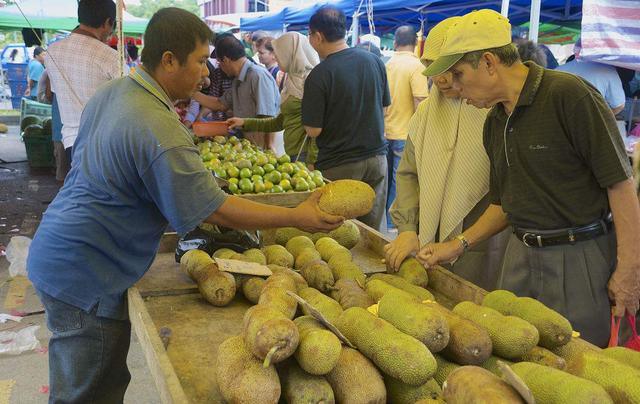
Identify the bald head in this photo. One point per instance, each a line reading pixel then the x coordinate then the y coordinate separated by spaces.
pixel 405 36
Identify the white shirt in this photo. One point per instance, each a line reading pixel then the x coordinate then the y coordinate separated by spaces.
pixel 86 63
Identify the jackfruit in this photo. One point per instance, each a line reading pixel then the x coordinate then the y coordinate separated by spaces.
pixel 274 294
pixel 278 255
pixel 554 386
pixel 299 280
pixel 625 355
pixel 299 387
pixel 573 350
pixel 268 334
pixel 284 234
pixel 469 344
pixel 443 370
pixel 397 354
pixel 347 270
pixel 346 198
pixel 475 385
pixel 195 263
pixel 349 293
pixel 491 364
pixel 306 256
pixel 355 380
pixel 224 253
pixel 401 283
pixel 299 243
pixel 240 257
pixel 330 250
pixel 413 272
pixel 319 348
pixel 252 287
pixel 619 380
pixel 329 308
pixel 419 320
pixel 217 288
pixel 242 378
pixel 347 235
pixel 377 288
pixel 512 337
pixel 554 329
pixel 255 255
pixel 402 393
pixel 543 356
pixel 318 275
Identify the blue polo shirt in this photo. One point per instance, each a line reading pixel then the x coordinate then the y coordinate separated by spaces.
pixel 253 93
pixel 135 169
pixel 35 73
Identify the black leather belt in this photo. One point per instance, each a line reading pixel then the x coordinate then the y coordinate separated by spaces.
pixel 547 238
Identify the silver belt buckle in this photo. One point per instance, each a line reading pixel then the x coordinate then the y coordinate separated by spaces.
pixel 524 240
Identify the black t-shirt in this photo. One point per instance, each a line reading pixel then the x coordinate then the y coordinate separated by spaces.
pixel 345 96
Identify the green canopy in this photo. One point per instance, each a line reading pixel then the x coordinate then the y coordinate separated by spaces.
pixel 56 15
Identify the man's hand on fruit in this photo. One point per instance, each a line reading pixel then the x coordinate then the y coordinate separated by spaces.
pixel 433 254
pixel 405 244
pixel 308 216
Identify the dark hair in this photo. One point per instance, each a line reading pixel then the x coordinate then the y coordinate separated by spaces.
pixel 38 50
pixel 405 36
pixel 508 55
pixel 174 30
pixel 95 12
pixel 330 22
pixel 528 50
pixel 132 51
pixel 266 42
pixel 230 47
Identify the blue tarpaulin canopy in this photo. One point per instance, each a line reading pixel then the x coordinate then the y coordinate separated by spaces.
pixel 389 14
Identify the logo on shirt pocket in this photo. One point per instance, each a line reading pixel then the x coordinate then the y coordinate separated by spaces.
pixel 535 147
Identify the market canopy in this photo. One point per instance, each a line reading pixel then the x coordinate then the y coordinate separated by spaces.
pixel 56 15
pixel 389 14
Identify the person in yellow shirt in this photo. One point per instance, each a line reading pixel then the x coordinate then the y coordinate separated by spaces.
pixel 408 87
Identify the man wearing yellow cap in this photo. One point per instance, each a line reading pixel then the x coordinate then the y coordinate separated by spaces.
pixel 443 176
pixel 559 177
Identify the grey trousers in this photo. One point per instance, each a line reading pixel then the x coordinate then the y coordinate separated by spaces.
pixel 571 279
pixel 373 171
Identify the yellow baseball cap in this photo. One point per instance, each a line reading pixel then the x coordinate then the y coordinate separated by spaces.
pixel 478 30
pixel 434 41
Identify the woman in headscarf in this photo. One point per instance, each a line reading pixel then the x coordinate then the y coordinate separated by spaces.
pixel 296 58
pixel 443 176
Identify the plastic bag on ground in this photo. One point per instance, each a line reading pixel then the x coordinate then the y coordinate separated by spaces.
pixel 16 342
pixel 17 252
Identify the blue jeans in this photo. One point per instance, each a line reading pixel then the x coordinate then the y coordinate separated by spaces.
pixel 87 354
pixel 395 148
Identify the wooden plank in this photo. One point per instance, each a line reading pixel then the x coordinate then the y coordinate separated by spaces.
pixel 169 387
pixel 197 329
pixel 454 287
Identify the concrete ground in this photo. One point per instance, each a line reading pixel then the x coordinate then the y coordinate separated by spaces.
pixel 24 196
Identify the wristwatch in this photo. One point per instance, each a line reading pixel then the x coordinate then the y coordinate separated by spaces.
pixel 465 244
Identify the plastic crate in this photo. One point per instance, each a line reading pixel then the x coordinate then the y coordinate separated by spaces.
pixel 18 87
pixel 17 71
pixel 30 107
pixel 39 150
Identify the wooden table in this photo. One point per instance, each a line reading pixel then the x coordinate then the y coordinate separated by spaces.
pixel 166 299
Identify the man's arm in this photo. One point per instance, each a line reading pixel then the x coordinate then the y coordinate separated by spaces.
pixel 492 222
pixel 239 213
pixel 312 132
pixel 617 109
pixel 624 285
pixel 207 101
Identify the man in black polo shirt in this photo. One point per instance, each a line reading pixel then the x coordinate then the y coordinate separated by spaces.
pixel 343 106
pixel 559 176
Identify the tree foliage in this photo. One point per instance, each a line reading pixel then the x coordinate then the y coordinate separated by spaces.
pixel 147 8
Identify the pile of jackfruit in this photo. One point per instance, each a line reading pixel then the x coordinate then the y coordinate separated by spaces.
pixel 405 346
